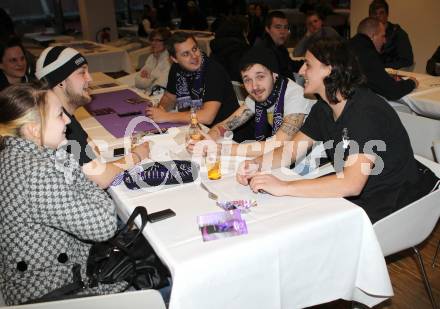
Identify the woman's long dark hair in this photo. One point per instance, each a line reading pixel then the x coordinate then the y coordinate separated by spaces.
pixel 345 75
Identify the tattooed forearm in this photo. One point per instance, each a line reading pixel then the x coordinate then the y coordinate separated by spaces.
pixel 292 123
pixel 168 102
pixel 237 121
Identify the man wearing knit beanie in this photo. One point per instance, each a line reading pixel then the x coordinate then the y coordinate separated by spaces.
pixel 66 72
pixel 276 102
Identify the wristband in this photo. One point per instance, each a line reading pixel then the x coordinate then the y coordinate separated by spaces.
pixel 221 129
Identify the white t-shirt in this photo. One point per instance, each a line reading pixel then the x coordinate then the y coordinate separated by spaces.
pixel 294 102
pixel 157 69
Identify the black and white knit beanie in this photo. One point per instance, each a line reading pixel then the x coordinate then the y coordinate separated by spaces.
pixel 56 63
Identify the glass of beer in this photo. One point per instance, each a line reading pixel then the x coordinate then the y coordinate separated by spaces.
pixel 213 166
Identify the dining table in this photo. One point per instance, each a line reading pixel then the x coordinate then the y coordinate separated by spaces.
pixel 102 57
pixel 296 252
pixel 425 99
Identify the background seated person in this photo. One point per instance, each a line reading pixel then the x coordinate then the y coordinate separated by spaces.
pixel 315 31
pixel 67 73
pixel 157 66
pixel 323 7
pixel 193 18
pixel 196 81
pixel 397 51
pixel 275 102
pixel 148 21
pixel 375 167
pixel 433 64
pixel 366 45
pixel 256 21
pixel 229 45
pixel 275 37
pixel 46 203
pixel 13 63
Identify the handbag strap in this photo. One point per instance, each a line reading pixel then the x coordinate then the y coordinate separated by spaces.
pixel 138 211
pixel 66 291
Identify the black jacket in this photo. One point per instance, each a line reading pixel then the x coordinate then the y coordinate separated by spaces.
pixel 371 64
pixel 5 83
pixel 433 64
pixel 285 64
pixel 397 51
pixel 228 47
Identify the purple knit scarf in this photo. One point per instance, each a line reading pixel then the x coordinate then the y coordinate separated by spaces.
pixel 190 86
pixel 263 129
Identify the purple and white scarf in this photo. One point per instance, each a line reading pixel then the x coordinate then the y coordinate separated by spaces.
pixel 262 126
pixel 190 86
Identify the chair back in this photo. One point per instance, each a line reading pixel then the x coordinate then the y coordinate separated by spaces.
pixel 412 224
pixel 240 91
pixel 127 79
pixel 422 133
pixel 150 299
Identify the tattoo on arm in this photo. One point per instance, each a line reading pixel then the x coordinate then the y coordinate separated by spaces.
pixel 167 102
pixel 239 120
pixel 291 124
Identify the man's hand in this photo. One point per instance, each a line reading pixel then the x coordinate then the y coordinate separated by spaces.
pixel 202 147
pixel 214 133
pixel 415 81
pixel 157 114
pixel 268 183
pixel 246 171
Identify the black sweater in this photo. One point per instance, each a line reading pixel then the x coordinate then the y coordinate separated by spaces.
pixel 372 66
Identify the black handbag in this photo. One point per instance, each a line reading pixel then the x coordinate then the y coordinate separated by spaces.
pixel 127 256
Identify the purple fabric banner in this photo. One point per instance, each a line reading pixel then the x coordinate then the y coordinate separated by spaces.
pixel 114 113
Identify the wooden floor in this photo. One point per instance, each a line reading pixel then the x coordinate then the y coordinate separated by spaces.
pixel 409 291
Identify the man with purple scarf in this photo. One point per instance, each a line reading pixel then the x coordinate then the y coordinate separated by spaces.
pixel 197 82
pixel 276 103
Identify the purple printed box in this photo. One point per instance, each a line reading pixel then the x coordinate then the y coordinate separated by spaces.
pixel 222 224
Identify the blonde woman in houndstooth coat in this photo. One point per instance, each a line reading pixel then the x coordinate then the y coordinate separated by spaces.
pixel 46 203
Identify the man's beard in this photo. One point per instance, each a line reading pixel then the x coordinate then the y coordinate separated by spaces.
pixel 77 100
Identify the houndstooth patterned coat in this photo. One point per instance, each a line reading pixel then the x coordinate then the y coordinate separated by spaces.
pixel 43 200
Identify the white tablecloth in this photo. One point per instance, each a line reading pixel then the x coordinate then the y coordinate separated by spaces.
pixel 298 251
pixel 424 100
pixel 105 58
pixel 41 37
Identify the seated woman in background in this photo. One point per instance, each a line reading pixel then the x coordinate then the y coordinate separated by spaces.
pixel 158 64
pixel 363 138
pixel 46 203
pixel 148 21
pixel 13 63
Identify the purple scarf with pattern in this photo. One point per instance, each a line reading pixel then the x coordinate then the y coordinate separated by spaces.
pixel 190 86
pixel 263 129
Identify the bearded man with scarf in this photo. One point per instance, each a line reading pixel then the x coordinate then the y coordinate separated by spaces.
pixel 276 103
pixel 198 82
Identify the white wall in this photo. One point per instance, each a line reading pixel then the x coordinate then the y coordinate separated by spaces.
pixel 420 19
pixel 95 15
